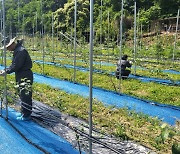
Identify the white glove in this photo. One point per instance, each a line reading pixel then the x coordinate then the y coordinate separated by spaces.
pixel 131 62
pixel 2 72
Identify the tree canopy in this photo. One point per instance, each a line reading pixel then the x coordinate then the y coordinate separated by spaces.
pixel 30 13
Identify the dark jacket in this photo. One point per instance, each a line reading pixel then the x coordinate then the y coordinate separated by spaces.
pixel 123 64
pixel 21 64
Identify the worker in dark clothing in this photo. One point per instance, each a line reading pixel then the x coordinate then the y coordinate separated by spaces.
pixel 21 65
pixel 121 67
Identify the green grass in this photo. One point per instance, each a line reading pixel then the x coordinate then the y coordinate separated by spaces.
pixel 119 122
pixel 151 91
pixel 152 70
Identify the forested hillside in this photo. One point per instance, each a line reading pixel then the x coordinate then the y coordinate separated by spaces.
pixel 122 76
pixel 28 14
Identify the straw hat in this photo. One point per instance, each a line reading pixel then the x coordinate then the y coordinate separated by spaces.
pixel 9 43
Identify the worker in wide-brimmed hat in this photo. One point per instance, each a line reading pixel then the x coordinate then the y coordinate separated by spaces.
pixel 21 65
pixel 9 42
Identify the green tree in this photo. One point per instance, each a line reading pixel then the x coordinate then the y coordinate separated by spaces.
pixel 168 7
pixel 64 17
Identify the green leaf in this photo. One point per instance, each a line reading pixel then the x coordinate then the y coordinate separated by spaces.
pixel 176 148
pixel 163 125
pixel 165 135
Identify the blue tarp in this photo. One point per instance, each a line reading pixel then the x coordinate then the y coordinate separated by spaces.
pixel 111 64
pixel 83 69
pixel 171 71
pixel 98 63
pixel 166 113
pixel 151 79
pixel 12 142
pixel 137 77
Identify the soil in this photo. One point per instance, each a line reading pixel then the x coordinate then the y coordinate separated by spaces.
pixel 76 132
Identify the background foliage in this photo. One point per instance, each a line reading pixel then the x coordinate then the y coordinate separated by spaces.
pixel 63 11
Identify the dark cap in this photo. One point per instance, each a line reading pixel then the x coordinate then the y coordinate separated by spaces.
pixel 124 57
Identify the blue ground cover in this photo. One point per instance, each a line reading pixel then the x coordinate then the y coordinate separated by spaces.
pixel 137 77
pixel 11 142
pixel 166 113
pixel 38 135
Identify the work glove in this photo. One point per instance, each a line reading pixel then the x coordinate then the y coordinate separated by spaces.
pixel 2 72
pixel 131 62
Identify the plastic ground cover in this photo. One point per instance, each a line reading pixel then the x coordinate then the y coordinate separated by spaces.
pixel 111 64
pixel 43 138
pixel 83 69
pixel 167 113
pixel 151 79
pixel 141 78
pixel 12 142
pixel 171 71
pixel 100 63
